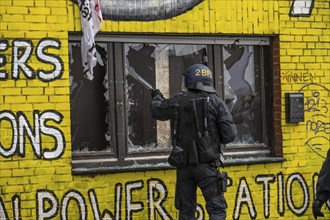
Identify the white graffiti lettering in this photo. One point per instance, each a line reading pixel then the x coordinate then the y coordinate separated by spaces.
pixel 133 206
pixel 243 196
pixel 296 177
pixel 6 115
pixel 46 199
pixel 16 201
pixel 156 205
pixel 280 194
pixel 3 47
pixel 74 195
pixel 106 214
pixel 265 180
pixel 3 210
pixel 22 50
pixel 48 205
pixel 50 59
pixel 21 127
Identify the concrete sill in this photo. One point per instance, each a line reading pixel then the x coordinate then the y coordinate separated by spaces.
pixel 166 166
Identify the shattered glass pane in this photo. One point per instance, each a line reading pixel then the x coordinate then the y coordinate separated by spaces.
pixel 161 65
pixel 243 92
pixel 89 101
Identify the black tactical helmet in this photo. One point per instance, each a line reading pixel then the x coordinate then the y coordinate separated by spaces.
pixel 199 76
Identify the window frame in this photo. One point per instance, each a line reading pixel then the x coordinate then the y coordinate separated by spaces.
pixel 249 150
pixel 120 160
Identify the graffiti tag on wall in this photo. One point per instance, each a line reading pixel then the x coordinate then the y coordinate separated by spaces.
pixel 304 76
pixel 317 108
pixel 318 123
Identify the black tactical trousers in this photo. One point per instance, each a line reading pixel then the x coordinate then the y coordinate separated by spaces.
pixel 205 177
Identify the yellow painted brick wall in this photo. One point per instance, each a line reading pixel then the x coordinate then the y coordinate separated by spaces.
pixel 25 178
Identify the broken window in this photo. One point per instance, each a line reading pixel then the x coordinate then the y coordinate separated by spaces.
pixel 111 124
pixel 161 65
pixel 89 100
pixel 243 94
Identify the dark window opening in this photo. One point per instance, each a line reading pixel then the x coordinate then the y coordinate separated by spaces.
pixel 111 124
pixel 89 104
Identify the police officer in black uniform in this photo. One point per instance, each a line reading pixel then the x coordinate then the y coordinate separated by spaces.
pixel 200 122
pixel 322 188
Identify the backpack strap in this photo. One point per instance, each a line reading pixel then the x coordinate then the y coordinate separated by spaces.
pixel 201 97
pixel 205 115
pixel 193 102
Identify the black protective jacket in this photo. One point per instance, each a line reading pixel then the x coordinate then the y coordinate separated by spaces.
pixel 200 139
pixel 323 183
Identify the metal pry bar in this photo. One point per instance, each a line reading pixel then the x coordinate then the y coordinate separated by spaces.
pixel 138 78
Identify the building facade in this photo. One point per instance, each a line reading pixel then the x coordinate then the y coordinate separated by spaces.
pixel 79 142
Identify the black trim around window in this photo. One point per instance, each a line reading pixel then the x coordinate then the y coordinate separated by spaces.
pixel 115 156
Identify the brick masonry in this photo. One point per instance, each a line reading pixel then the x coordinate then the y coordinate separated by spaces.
pixel 37 183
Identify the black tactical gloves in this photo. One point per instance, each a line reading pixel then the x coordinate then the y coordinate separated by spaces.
pixel 317 205
pixel 156 92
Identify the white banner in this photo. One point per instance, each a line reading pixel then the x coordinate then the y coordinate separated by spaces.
pixel 91 22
